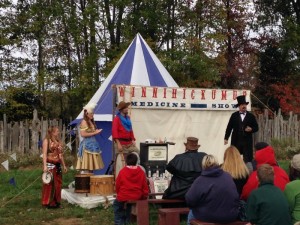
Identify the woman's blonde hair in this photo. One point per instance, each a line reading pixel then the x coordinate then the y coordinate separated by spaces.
pixel 209 161
pixel 50 132
pixel 234 164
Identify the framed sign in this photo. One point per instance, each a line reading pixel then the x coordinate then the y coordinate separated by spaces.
pixel 157 153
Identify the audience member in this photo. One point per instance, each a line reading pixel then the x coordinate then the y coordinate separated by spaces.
pixel 213 196
pixel 265 156
pixel 267 204
pixel 185 167
pixel 236 167
pixel 258 146
pixel 292 189
pixel 131 184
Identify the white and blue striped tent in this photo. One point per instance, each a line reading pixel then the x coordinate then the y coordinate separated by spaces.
pixel 138 66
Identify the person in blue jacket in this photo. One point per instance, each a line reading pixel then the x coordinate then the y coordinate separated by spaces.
pixel 213 196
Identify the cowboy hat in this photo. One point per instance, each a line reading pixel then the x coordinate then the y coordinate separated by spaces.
pixel 123 105
pixel 241 100
pixel 191 143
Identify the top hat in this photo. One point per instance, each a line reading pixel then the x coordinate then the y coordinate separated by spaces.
pixel 241 100
pixel 90 107
pixel 191 143
pixel 123 105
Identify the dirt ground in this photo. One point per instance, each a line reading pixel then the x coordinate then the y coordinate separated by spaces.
pixel 64 221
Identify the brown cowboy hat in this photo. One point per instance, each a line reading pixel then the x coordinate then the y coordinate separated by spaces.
pixel 241 100
pixel 191 143
pixel 123 105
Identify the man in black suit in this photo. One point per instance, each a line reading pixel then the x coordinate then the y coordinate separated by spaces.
pixel 242 124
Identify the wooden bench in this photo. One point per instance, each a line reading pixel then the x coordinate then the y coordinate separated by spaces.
pixel 197 222
pixel 142 208
pixel 171 216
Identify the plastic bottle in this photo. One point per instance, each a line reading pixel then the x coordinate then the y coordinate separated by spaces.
pixel 149 172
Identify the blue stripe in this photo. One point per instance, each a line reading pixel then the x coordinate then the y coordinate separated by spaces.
pixel 155 77
pixel 201 106
pixel 121 76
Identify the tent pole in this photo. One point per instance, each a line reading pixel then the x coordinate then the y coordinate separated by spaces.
pixel 114 100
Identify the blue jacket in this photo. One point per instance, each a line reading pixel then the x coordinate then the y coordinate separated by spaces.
pixel 213 197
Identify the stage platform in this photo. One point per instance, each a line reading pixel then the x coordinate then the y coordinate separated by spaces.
pixel 86 200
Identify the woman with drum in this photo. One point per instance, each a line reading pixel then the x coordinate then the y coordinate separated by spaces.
pixel 89 152
pixel 53 162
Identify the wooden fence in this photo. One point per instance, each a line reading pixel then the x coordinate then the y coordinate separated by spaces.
pixel 275 127
pixel 24 137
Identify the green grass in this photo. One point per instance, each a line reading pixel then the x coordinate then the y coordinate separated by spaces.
pixel 21 204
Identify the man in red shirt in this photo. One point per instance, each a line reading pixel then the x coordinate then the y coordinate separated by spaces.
pixel 123 136
pixel 131 184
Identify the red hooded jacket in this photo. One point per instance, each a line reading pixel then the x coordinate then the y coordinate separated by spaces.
pixel 265 156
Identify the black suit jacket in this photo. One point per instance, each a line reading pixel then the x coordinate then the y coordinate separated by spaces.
pixel 236 128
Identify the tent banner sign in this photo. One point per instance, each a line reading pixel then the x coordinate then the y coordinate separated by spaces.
pixel 180 98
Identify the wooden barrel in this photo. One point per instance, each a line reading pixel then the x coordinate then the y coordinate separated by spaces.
pixel 82 183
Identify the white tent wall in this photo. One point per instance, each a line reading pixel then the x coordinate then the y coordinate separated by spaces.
pixel 177 125
pixel 176 113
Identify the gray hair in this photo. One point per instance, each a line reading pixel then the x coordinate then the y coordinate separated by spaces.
pixel 209 161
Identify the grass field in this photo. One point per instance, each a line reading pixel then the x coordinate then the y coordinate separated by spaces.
pixel 21 203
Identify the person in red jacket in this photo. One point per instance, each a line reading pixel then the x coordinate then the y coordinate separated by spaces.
pixel 131 184
pixel 265 156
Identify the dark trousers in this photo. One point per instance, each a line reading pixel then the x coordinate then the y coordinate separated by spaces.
pixel 246 151
pixel 122 212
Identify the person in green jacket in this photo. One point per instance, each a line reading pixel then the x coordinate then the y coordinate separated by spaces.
pixel 267 204
pixel 292 189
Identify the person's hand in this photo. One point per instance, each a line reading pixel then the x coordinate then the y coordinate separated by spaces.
pixel 133 142
pixel 65 169
pixel 97 131
pixel 120 148
pixel 248 129
pixel 45 169
pixel 225 142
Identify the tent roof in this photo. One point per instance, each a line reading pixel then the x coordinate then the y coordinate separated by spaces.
pixel 137 66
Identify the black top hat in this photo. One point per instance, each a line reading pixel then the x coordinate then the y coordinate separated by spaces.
pixel 241 100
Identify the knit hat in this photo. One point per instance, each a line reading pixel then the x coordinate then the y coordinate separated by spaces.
pixel 260 145
pixel 296 162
